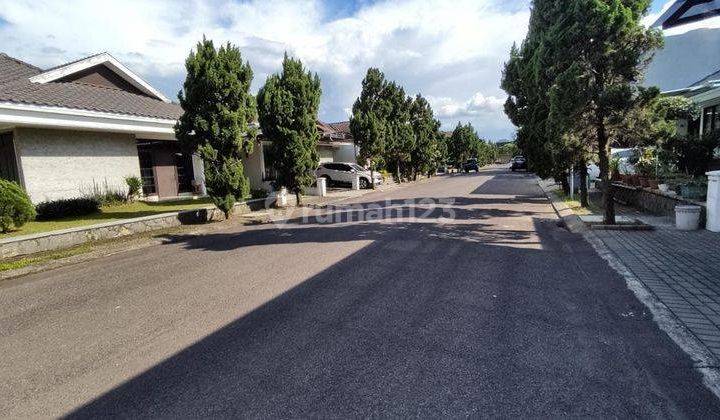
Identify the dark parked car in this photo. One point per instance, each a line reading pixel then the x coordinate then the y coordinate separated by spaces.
pixel 518 162
pixel 471 165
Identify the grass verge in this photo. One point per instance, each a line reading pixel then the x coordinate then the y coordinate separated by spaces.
pixel 21 262
pixel 110 214
pixel 574 204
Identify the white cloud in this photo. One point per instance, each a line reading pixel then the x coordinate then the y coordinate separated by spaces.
pixel 442 49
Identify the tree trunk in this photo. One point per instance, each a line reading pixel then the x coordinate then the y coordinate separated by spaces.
pixel 565 185
pixel 298 199
pixel 583 185
pixel 604 164
pixel 397 172
pixel 372 178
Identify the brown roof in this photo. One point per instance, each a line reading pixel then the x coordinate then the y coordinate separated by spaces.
pixel 13 69
pixel 342 126
pixel 15 86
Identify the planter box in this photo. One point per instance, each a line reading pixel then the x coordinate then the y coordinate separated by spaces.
pixel 653 201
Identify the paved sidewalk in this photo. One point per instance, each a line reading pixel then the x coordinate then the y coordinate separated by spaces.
pixel 681 269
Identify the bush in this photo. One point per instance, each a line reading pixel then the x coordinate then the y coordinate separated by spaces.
pixel 134 185
pixel 258 193
pixel 693 154
pixel 15 206
pixel 71 207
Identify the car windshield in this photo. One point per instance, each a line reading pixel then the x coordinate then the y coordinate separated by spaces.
pixel 357 167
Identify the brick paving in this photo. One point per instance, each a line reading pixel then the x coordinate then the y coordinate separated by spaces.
pixel 682 269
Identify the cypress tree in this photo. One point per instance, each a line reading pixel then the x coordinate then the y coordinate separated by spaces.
pixel 217 107
pixel 367 123
pixel 288 106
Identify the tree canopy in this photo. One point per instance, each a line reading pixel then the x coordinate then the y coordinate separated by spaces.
pixel 574 76
pixel 288 106
pixel 217 107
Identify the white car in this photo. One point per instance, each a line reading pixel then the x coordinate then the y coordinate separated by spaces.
pixel 344 173
pixel 623 156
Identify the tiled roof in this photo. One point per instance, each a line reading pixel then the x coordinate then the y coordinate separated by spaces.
pixel 342 126
pixel 16 87
pixel 87 97
pixel 13 69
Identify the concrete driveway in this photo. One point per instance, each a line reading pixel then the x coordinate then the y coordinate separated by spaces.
pixel 390 305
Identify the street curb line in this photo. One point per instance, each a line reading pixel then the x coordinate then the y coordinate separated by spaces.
pixel 565 213
pixel 704 361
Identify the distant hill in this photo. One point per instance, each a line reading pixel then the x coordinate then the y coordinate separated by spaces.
pixel 685 59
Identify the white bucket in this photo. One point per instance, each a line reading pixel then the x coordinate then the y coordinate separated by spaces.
pixel 687 217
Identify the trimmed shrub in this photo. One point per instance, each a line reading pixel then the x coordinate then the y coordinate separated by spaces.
pixel 71 207
pixel 15 206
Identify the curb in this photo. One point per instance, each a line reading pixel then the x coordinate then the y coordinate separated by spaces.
pixel 565 213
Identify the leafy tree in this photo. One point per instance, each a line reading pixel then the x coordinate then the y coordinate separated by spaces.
pixel 217 107
pixel 367 122
pixel 400 139
pixel 288 106
pixel 463 144
pixel 599 51
pixel 426 129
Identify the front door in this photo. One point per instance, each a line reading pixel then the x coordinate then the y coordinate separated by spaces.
pixel 166 177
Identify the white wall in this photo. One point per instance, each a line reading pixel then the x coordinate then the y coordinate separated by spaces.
pixel 345 153
pixel 64 164
pixel 326 154
pixel 199 173
pixel 254 168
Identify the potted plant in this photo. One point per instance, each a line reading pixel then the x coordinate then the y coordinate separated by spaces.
pixel 696 189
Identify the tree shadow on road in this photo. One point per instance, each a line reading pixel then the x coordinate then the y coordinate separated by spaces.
pixel 415 325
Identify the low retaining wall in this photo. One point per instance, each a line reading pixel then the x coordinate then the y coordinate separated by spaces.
pixel 59 239
pixel 654 202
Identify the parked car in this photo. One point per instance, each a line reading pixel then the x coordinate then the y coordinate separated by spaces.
pixel 627 157
pixel 344 172
pixel 471 165
pixel 518 162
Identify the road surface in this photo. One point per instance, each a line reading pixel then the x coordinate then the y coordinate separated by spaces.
pixel 454 297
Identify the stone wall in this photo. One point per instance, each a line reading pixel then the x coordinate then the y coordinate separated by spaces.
pixel 65 164
pixel 653 201
pixel 51 241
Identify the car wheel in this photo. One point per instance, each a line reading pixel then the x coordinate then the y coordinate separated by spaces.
pixel 364 183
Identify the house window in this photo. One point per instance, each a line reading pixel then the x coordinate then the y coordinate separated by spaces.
pixel 147 174
pixel 711 119
pixel 8 164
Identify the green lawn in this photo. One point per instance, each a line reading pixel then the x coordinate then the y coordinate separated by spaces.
pixel 575 206
pixel 109 214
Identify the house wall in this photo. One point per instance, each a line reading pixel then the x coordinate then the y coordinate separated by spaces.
pixel 64 164
pixel 327 154
pixel 345 153
pixel 254 168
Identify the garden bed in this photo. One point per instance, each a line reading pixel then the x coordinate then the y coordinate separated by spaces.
pixel 108 214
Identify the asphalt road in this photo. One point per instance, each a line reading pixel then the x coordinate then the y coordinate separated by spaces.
pixel 376 308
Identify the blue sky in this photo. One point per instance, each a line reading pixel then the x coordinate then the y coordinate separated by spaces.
pixel 450 51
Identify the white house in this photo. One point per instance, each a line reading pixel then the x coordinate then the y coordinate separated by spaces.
pixel 86 125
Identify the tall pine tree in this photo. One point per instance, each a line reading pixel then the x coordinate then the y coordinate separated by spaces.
pixel 600 49
pixel 367 123
pixel 288 106
pixel 217 107
pixel 426 129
